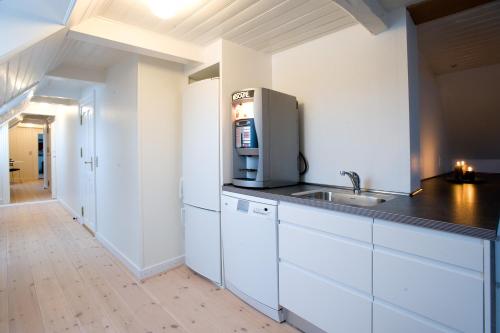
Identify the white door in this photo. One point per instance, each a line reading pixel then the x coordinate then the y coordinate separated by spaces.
pixel 87 154
pixel 203 242
pixel 200 145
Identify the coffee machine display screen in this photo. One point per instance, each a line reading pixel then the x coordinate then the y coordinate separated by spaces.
pixel 243 110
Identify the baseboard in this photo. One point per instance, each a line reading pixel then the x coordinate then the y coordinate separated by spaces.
pixel 301 324
pixel 162 267
pixel 28 203
pixel 70 210
pixel 139 273
pixel 132 267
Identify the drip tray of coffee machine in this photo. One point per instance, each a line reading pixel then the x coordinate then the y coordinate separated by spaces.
pixel 248 170
pixel 248 151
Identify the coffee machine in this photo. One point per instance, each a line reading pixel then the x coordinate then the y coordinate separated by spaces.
pixel 266 138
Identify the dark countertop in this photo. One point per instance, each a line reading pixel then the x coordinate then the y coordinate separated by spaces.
pixel 468 209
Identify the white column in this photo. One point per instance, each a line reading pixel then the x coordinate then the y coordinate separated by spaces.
pixel 4 164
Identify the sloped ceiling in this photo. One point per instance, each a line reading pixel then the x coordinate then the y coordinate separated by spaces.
pixel 32 32
pixel 53 11
pixel 464 40
pixel 23 70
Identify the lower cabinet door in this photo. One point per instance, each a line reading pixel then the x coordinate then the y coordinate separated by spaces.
pixel 442 293
pixel 331 307
pixel 388 320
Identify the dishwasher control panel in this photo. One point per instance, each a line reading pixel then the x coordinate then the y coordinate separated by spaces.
pixel 248 207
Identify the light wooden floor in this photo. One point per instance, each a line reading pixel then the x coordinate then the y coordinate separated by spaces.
pixel 28 191
pixel 55 277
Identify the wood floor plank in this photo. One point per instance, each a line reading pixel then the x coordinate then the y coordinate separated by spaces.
pixel 4 291
pixel 84 307
pixel 24 310
pixel 28 191
pixel 56 277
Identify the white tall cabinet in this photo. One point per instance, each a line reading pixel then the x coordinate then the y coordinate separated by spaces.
pixel 349 273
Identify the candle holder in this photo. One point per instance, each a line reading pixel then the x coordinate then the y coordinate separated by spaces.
pixel 469 175
pixel 459 171
pixel 463 173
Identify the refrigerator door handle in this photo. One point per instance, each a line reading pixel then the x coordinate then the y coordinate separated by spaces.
pixel 181 189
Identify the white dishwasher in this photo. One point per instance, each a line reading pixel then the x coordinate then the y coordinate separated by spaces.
pixel 250 251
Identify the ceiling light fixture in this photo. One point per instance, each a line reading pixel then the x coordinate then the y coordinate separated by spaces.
pixel 166 9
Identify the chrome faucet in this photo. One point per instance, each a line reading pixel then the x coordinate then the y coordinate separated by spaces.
pixel 354 177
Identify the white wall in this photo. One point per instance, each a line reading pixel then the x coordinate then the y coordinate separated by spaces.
pixel 433 153
pixel 353 90
pixel 471 104
pixel 67 156
pixel 241 68
pixel 117 176
pixel 413 93
pixel 160 87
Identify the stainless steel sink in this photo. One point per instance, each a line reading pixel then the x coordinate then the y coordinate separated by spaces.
pixel 340 196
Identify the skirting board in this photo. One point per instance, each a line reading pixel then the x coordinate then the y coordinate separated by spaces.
pixel 28 203
pixel 133 268
pixel 162 267
pixel 136 271
pixel 69 209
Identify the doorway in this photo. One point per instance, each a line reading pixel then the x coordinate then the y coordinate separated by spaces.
pixel 88 164
pixel 28 163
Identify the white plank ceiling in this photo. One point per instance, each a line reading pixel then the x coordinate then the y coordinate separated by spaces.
pixel 464 40
pixel 265 25
pixel 25 69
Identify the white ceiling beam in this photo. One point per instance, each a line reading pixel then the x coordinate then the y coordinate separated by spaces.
pixel 369 13
pixel 78 74
pixel 125 37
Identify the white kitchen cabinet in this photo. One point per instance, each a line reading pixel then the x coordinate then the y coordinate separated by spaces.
pixel 449 296
pixel 349 273
pixel 463 251
pixel 388 319
pixel 327 305
pixel 325 267
pixel 431 274
pixel 341 260
pixel 341 224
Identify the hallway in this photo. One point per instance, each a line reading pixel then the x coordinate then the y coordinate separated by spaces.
pixel 28 192
pixel 54 277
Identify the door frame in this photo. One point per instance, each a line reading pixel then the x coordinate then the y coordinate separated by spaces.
pixel 53 158
pixel 90 99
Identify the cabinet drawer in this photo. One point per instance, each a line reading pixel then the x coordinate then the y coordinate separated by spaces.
pixel 346 225
pixel 323 303
pixel 342 260
pixel 454 249
pixel 389 320
pixel 452 297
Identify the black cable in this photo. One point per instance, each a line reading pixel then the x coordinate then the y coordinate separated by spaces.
pixel 306 164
